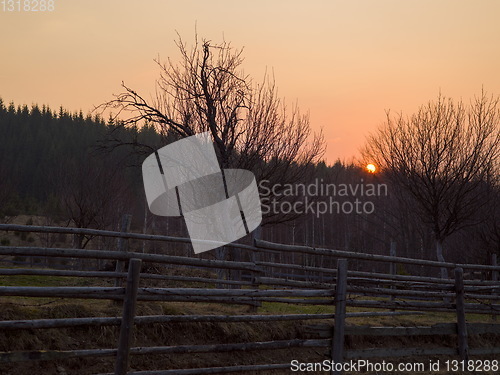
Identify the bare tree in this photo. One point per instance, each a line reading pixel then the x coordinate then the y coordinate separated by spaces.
pixel 92 196
pixel 6 194
pixel 250 126
pixel 490 232
pixel 446 157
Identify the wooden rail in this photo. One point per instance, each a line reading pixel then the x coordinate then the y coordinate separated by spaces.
pixel 374 257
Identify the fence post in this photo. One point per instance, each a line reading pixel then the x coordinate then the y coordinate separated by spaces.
pixel 256 234
pixel 392 253
pixel 127 323
pixel 463 349
pixel 494 277
pixel 255 285
pixel 340 305
pixel 235 274
pixel 122 246
pixel 392 266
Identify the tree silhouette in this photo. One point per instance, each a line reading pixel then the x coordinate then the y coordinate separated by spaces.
pixel 208 91
pixel 446 157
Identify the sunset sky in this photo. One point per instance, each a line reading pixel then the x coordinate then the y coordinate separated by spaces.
pixel 346 62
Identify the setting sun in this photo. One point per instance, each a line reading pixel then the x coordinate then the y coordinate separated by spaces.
pixel 371 168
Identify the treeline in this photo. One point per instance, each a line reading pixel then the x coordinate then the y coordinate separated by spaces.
pixel 81 170
pixel 58 165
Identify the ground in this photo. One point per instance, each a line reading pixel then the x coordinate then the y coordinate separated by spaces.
pixel 188 333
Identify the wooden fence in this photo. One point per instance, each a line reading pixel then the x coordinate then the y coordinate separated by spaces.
pixel 339 287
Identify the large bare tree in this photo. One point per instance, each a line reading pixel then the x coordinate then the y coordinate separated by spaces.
pixel 446 157
pixel 251 127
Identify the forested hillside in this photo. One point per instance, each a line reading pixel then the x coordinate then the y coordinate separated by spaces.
pixel 59 165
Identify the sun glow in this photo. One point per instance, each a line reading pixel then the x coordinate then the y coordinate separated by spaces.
pixel 371 168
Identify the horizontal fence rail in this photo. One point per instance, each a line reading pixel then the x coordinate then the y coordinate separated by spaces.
pixel 374 257
pixel 161 319
pixel 259 245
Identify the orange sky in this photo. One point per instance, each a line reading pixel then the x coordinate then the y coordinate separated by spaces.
pixel 344 61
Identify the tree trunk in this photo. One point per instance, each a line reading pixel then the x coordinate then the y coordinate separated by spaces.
pixel 439 253
pixel 145 225
pixel 220 254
